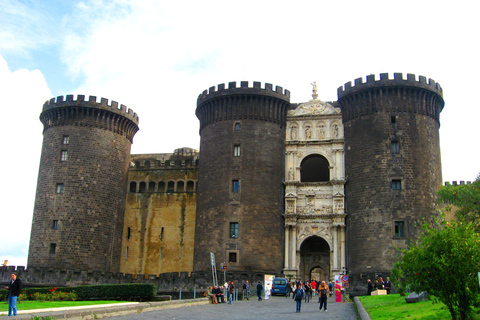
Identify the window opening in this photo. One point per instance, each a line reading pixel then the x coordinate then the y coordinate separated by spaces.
pixel 236 150
pixel 315 168
pixel 238 126
pixel 55 225
pixel 59 187
pixel 396 184
pixel 53 248
pixel 133 187
pixel 236 185
pixel 399 229
pixel 129 233
pixel 232 257
pixel 64 156
pixel 395 147
pixel 66 139
pixel 234 230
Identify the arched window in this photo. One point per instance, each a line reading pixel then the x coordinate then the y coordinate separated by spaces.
pixel 161 186
pixel 133 187
pixel 151 186
pixel 314 168
pixel 171 186
pixel 142 187
pixel 190 186
pixel 180 186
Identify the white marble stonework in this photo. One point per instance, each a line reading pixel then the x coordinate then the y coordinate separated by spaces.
pixel 314 209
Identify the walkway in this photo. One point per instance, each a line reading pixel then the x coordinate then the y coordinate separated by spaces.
pixel 277 308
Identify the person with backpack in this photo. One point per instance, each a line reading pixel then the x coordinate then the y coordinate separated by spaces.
pixel 246 290
pixel 323 292
pixel 298 296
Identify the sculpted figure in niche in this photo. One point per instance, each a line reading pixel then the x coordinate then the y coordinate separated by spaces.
pixel 321 131
pixel 308 133
pixel 290 174
pixel 293 133
pixel 335 131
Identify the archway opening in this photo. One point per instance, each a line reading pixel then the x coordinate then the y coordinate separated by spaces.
pixel 315 259
pixel 315 168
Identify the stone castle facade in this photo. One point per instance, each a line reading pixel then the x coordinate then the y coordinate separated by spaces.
pixel 305 190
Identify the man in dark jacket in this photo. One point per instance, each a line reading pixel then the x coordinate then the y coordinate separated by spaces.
pixel 14 290
pixel 259 291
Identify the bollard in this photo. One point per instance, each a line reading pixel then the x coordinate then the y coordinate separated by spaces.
pixel 194 292
pixel 180 295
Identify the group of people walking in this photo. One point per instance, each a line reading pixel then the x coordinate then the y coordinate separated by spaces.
pixel 305 290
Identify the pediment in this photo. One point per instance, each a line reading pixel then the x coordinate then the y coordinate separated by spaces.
pixel 314 107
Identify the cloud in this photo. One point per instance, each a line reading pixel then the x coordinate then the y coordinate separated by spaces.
pixel 23 94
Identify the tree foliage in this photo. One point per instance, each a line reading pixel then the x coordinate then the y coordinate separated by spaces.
pixel 466 197
pixel 444 262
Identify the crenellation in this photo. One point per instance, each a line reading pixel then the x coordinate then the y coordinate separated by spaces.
pixel 70 101
pixel 385 81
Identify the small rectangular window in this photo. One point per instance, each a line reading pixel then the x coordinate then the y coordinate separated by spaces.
pixel 234 230
pixel 238 126
pixel 64 156
pixel 399 229
pixel 59 188
pixel 236 150
pixel 53 248
pixel 232 257
pixel 66 139
pixel 397 184
pixel 235 185
pixel 161 234
pixel 55 225
pixel 126 253
pixel 129 233
pixel 395 147
pixel 394 119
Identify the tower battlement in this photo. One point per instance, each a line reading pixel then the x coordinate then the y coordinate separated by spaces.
pixel 232 89
pixel 69 101
pixel 384 81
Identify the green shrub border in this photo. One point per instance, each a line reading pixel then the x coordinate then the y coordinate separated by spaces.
pixel 132 291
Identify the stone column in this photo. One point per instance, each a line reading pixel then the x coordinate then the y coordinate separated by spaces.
pixel 294 247
pixel 335 248
pixel 287 242
pixel 342 232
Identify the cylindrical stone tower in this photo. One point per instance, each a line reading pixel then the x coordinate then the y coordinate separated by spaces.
pixel 240 191
pixel 81 189
pixel 393 168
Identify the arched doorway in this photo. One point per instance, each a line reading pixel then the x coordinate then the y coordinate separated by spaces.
pixel 315 259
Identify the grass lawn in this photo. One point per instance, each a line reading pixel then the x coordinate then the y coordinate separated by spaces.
pixel 394 306
pixel 29 305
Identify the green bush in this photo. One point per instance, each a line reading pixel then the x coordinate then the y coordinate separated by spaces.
pixel 114 291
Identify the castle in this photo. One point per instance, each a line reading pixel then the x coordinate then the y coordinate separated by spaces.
pixel 305 190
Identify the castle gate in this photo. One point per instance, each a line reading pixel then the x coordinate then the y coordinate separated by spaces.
pixel 315 259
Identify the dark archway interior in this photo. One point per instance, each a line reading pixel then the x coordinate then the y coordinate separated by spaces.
pixel 315 168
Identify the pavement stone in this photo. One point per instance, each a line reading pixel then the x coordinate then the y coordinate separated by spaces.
pixel 277 308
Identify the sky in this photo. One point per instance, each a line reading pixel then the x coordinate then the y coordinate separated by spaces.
pixel 156 57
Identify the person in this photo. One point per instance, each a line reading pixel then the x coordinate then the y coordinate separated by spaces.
pixel 288 289
pixel 231 291
pixel 246 290
pixel 330 287
pixel 388 285
pixel 14 290
pixel 308 291
pixel 314 287
pixel 259 291
pixel 298 296
pixel 267 292
pixel 211 296
pixel 369 287
pixel 380 285
pixel 218 292
pixel 323 295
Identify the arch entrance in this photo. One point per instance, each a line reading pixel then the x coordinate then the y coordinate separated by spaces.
pixel 315 259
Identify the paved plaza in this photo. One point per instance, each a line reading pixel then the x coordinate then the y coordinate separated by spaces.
pixel 276 308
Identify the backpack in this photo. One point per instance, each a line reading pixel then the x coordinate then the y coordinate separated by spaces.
pixel 299 294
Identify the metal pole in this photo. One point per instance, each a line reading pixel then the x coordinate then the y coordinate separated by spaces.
pixel 194 292
pixel 180 295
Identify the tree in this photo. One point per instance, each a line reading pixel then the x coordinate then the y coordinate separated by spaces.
pixel 466 197
pixel 444 262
